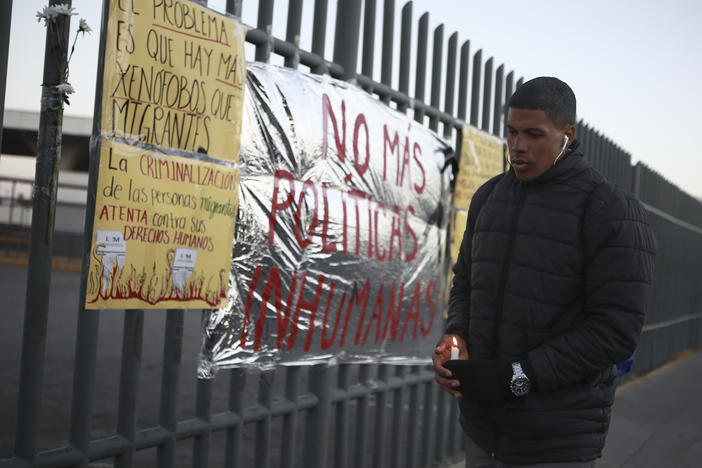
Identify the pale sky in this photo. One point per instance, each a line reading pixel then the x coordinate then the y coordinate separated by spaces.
pixel 634 65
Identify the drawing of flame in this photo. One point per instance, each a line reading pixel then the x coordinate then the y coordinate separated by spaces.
pixel 155 285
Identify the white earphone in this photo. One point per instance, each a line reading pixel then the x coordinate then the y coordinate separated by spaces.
pixel 565 143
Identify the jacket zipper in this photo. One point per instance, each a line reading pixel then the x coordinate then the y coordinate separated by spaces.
pixel 505 272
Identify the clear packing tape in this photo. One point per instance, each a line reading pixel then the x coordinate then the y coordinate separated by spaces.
pixel 340 244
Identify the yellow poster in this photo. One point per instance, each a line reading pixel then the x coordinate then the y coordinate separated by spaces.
pixel 481 159
pixel 163 231
pixel 175 74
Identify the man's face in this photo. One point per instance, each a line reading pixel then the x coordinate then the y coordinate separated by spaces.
pixel 534 141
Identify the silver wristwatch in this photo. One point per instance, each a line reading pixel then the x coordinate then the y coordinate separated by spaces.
pixel 520 384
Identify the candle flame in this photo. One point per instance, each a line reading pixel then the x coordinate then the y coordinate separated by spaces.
pixel 455 343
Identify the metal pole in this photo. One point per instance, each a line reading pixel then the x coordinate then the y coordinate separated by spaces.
pixel 475 95
pixel 5 18
pixel 41 237
pixel 348 21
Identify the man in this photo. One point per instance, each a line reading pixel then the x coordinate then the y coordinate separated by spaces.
pixel 549 294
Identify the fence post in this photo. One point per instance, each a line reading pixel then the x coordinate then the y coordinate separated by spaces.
pixel 41 240
pixel 348 21
pixel 318 418
pixel 5 18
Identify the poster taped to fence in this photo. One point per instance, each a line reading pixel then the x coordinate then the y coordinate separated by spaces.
pixel 481 158
pixel 174 77
pixel 163 230
pixel 340 243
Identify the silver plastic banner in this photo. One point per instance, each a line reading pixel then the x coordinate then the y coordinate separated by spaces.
pixel 340 242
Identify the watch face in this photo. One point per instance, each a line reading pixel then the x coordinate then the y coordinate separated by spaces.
pixel 520 386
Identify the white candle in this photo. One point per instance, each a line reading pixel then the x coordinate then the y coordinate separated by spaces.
pixel 454 349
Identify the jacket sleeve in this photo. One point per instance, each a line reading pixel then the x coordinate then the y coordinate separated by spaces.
pixel 619 251
pixel 459 298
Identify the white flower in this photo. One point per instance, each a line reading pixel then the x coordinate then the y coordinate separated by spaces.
pixel 50 13
pixel 83 26
pixel 65 88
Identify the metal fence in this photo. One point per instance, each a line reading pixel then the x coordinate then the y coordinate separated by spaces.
pixel 324 415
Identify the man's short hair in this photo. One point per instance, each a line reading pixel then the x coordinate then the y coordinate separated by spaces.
pixel 548 94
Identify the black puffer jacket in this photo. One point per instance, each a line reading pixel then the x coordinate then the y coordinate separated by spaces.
pixel 555 274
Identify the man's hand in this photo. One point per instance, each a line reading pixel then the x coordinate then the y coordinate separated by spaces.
pixel 442 353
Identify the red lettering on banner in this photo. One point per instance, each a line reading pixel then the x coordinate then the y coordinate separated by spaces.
pixel 307 240
pixel 360 297
pixel 285 320
pixel 360 168
pixel 430 291
pixel 386 318
pixel 394 313
pixel 249 304
pixel 326 343
pixel 394 146
pixel 377 316
pixel 378 255
pixel 417 149
pixel 276 205
pixel 272 288
pixel 410 256
pixel 326 246
pixel 395 232
pixel 328 112
pixel 311 307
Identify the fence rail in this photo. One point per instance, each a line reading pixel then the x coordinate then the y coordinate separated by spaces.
pixel 347 415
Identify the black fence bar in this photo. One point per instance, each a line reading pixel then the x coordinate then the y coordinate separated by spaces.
pixel 440 429
pixel 437 57
pixel 368 38
pixel 359 455
pixel 487 94
pixel 41 242
pixel 237 384
pixel 421 67
pixel 475 95
pixel 170 380
pixel 201 442
pixel 234 7
pixel 5 19
pixel 425 452
pixel 450 89
pixel 265 24
pixel 319 34
pixel 497 110
pixel 388 42
pixel 381 402
pixel 129 383
pixel 463 81
pixel 397 410
pixel 509 90
pixel 412 422
pixel 263 426
pixel 318 420
pixel 346 36
pixel 341 432
pixel 405 42
pixel 292 33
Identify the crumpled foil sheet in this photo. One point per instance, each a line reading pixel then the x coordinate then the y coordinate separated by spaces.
pixel 340 244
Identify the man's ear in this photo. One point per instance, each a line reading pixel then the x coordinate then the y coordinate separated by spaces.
pixel 569 131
